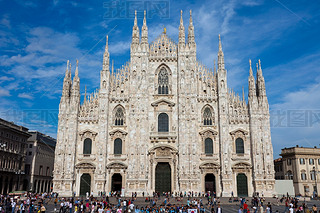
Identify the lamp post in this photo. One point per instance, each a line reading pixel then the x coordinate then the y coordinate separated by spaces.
pixel 315 181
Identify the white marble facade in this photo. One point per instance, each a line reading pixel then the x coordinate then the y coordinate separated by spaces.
pixel 164 108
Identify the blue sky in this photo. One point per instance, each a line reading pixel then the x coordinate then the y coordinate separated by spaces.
pixel 38 37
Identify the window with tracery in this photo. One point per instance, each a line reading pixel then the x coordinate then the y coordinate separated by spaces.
pixel 119 117
pixel 163 81
pixel 207 117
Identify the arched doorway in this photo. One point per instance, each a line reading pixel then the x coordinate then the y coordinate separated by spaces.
pixel 242 185
pixel 25 185
pixel 116 182
pixel 85 184
pixel 210 183
pixel 6 182
pixel 163 178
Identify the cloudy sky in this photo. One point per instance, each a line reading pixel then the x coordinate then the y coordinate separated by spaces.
pixel 38 37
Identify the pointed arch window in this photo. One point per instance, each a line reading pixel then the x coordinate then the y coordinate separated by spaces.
pixel 163 81
pixel 117 148
pixel 163 122
pixel 119 116
pixel 208 146
pixel 207 117
pixel 87 146
pixel 239 146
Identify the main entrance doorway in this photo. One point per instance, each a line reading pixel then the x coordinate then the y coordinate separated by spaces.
pixel 116 182
pixel 210 183
pixel 85 184
pixel 242 185
pixel 163 178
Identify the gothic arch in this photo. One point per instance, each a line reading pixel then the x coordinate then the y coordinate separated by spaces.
pixel 207 115
pixel 163 82
pixel 119 115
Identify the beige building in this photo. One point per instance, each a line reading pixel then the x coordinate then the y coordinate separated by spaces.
pixel 164 122
pixel 39 162
pixel 13 142
pixel 302 165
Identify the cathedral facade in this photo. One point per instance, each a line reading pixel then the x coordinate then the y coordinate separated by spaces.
pixel 164 122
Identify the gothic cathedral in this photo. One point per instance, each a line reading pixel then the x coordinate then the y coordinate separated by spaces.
pixel 164 122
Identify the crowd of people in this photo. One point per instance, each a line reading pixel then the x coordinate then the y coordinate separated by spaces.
pixel 166 202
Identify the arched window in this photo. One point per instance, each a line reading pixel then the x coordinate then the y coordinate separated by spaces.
pixel 163 122
pixel 208 146
pixel 239 146
pixel 119 116
pixel 87 146
pixel 207 117
pixel 163 82
pixel 117 149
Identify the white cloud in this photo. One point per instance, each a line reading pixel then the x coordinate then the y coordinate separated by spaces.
pixel 119 47
pixel 6 78
pixel 4 92
pixel 26 96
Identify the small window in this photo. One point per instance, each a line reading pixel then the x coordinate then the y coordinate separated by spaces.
pixel 40 170
pixel 87 146
pixel 302 161
pixel 311 161
pixel 30 153
pixel 239 146
pixel 117 146
pixel 289 161
pixel 163 122
pixel 208 146
pixel 30 146
pixel 312 176
pixel 303 176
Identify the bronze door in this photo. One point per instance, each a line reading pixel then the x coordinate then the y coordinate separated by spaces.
pixel 85 184
pixel 242 185
pixel 163 178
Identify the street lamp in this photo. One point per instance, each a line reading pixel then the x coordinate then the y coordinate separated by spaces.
pixel 315 180
pixel 2 145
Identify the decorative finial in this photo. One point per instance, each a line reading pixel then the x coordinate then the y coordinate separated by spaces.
pixel 67 64
pixel 243 93
pixel 191 17
pixel 135 18
pixel 250 69
pixel 164 30
pixel 77 71
pixel 220 45
pixel 259 64
pixel 144 18
pixel 85 93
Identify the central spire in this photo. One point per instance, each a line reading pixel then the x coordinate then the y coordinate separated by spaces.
pixel 105 65
pixel 220 56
